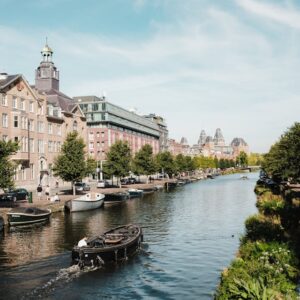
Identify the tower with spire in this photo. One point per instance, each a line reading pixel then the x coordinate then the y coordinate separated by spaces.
pixel 218 138
pixel 202 138
pixel 46 75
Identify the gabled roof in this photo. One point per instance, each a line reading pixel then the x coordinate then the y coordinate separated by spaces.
pixel 10 79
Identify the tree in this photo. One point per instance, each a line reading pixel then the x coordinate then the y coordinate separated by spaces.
pixel 7 167
pixel 242 159
pixel 282 162
pixel 91 166
pixel 166 163
pixel 118 159
pixel 180 163
pixel 70 164
pixel 143 162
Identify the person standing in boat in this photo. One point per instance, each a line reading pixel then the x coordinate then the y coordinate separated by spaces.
pixel 39 191
pixel 82 242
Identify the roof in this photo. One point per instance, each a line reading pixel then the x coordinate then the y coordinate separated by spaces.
pixel 8 80
pixel 58 98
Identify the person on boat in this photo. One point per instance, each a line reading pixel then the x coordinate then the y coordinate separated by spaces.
pixel 82 242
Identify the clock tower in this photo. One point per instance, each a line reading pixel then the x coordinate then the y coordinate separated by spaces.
pixel 46 75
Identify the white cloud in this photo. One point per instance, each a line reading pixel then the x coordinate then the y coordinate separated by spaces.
pixel 273 12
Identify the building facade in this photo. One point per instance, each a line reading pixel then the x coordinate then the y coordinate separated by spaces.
pixel 108 123
pixel 39 117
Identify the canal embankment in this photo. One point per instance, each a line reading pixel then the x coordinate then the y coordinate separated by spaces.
pixel 267 263
pixel 65 195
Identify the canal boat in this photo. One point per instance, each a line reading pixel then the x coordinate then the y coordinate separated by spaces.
pixel 115 198
pixel 114 245
pixel 149 191
pixel 135 193
pixel 85 202
pixel 27 215
pixel 244 177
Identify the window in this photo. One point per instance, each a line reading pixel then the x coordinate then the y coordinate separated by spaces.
pixel 50 110
pixel 50 128
pixel 22 104
pixel 58 129
pixel 75 126
pixel 4 120
pixel 15 102
pixel 91 145
pixel 31 171
pixel 50 146
pixel 31 106
pixel 40 126
pixel 16 121
pixel 31 125
pixel 5 138
pixel 40 146
pixel 31 145
pixel 4 100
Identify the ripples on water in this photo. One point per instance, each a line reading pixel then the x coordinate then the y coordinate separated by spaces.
pixel 191 234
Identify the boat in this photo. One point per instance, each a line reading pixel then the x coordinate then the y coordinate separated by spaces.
pixel 85 202
pixel 149 191
pixel 171 184
pixel 115 197
pixel 114 245
pixel 244 177
pixel 135 193
pixel 27 215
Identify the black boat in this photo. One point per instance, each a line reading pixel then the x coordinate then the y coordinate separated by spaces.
pixel 116 197
pixel 27 215
pixel 112 246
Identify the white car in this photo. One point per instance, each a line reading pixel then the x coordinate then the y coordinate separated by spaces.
pixel 101 184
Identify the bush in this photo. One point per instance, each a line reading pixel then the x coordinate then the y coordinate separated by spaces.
pixel 261 228
pixel 270 205
pixel 262 271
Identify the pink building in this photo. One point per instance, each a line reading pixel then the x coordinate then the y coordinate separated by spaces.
pixel 108 123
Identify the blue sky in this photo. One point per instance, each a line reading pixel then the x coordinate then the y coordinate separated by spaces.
pixel 200 64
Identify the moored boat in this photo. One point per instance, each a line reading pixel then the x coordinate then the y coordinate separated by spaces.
pixel 1 224
pixel 115 197
pixel 135 193
pixel 85 202
pixel 27 215
pixel 149 191
pixel 114 245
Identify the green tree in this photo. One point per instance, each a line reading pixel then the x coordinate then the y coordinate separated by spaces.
pixel 283 159
pixel 180 163
pixel 119 159
pixel 143 162
pixel 166 163
pixel 7 167
pixel 70 164
pixel 242 159
pixel 91 166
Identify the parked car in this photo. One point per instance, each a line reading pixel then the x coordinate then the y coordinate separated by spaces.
pixel 102 184
pixel 82 186
pixel 130 180
pixel 15 195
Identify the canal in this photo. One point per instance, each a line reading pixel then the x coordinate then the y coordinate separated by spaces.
pixel 191 234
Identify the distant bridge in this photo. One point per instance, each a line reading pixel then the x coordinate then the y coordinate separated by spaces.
pixel 251 168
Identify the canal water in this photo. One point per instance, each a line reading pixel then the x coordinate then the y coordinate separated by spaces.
pixel 191 234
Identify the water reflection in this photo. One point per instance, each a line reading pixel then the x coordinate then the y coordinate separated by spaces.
pixel 191 234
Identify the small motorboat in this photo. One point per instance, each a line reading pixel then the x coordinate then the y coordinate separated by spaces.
pixel 244 177
pixel 27 215
pixel 115 197
pixel 135 193
pixel 114 245
pixel 149 191
pixel 85 202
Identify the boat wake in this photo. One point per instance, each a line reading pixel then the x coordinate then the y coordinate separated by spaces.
pixel 63 276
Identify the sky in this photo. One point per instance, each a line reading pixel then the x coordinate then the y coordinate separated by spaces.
pixel 200 64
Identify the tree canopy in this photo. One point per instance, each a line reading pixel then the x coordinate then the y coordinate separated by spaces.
pixel 7 167
pixel 143 161
pixel 70 164
pixel 282 162
pixel 119 159
pixel 166 163
pixel 242 159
